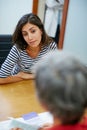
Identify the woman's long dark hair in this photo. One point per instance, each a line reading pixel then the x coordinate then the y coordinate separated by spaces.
pixel 35 20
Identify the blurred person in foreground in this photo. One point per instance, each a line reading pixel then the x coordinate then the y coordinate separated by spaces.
pixel 61 87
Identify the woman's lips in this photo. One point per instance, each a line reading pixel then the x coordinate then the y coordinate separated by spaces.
pixel 32 43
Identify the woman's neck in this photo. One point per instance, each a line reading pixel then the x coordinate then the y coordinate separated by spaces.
pixel 33 51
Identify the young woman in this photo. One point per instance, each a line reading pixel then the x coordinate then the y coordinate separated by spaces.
pixel 31 43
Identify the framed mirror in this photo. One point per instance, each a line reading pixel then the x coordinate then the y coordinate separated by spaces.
pixel 63 21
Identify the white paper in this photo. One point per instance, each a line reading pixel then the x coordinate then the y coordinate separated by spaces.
pixel 32 124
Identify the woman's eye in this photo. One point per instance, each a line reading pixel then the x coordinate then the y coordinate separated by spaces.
pixel 33 31
pixel 24 34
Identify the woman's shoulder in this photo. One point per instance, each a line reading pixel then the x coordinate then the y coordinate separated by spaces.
pixel 53 45
pixel 15 48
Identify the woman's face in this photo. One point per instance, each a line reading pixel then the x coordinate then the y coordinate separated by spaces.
pixel 32 34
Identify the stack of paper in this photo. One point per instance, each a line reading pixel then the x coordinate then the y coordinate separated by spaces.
pixel 30 121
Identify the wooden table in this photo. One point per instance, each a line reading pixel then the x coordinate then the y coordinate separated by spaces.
pixel 17 99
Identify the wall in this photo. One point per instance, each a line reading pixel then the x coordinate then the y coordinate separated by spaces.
pixel 75 39
pixel 10 13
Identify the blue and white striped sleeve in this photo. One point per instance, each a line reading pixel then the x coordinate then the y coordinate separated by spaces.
pixel 9 63
pixel 53 46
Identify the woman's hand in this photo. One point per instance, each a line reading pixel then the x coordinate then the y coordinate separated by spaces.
pixel 24 75
pixel 15 78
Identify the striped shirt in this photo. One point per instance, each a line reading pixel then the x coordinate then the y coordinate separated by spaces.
pixel 18 60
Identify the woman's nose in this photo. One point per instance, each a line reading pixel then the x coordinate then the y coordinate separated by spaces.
pixel 29 36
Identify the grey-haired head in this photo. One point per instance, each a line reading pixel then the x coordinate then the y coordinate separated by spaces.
pixel 61 85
